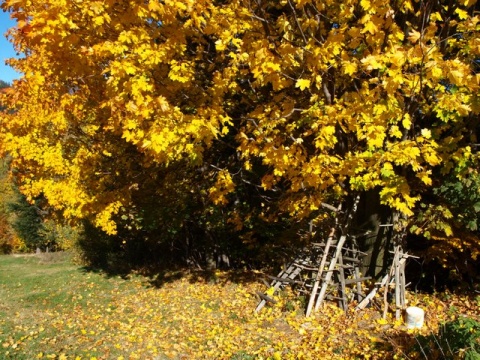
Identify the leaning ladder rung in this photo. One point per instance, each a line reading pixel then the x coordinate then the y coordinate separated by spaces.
pixel 290 272
pixel 329 270
pixel 361 293
pixel 357 252
pixel 345 266
pixel 357 280
pixel 305 267
pixel 266 297
pixel 285 280
pixel 331 297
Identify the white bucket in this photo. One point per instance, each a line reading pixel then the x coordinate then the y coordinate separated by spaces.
pixel 414 317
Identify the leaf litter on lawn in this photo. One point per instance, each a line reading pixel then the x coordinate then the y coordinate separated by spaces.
pixel 189 317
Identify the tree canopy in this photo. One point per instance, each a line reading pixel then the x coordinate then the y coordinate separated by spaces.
pixel 262 107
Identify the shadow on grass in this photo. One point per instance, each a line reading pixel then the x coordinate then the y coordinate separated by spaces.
pixel 236 276
pixel 163 272
pixel 157 263
pixel 159 278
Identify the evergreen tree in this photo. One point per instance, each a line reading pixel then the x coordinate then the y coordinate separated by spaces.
pixel 27 223
pixel 4 84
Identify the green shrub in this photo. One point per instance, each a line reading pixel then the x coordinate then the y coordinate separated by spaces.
pixel 459 338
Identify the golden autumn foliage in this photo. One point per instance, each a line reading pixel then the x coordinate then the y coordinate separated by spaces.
pixel 314 97
pixel 9 240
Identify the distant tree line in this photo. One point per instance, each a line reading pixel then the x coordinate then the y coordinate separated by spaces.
pixel 4 84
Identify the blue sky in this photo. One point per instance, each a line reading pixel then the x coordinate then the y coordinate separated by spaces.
pixel 6 49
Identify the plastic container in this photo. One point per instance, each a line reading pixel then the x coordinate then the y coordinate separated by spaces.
pixel 414 317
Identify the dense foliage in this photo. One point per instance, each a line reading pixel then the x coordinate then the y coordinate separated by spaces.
pixel 27 222
pixel 8 240
pixel 25 226
pixel 149 117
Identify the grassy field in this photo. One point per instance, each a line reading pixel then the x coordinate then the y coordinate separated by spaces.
pixel 52 309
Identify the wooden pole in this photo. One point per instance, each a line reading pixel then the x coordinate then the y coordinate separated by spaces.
pixel 328 276
pixel 372 293
pixel 341 285
pixel 359 283
pixel 320 272
pixel 402 262
pixel 396 262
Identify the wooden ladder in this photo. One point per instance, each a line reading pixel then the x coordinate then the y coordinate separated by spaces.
pixel 286 276
pixel 333 255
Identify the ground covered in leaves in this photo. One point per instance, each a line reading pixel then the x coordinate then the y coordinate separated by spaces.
pixel 51 309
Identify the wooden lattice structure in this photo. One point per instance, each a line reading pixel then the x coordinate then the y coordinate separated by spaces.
pixel 396 279
pixel 330 270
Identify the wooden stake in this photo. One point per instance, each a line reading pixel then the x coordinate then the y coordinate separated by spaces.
pixel 359 284
pixel 319 273
pixel 328 276
pixel 372 293
pixel 341 285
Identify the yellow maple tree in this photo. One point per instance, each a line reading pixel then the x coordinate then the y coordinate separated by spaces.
pixel 312 98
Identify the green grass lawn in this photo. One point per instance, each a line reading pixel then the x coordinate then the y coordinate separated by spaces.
pixel 39 292
pixel 53 309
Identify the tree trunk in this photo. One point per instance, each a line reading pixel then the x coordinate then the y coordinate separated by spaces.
pixel 378 220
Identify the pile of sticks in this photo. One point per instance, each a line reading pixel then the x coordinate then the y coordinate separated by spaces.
pixel 331 270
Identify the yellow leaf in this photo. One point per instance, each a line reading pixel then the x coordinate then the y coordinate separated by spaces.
pixel 407 6
pixel 436 16
pixel 448 230
pixel 154 6
pixel 436 72
pixel 98 20
pixel 399 35
pixel 424 176
pixel 370 27
pixel 462 14
pixel 220 45
pixel 413 36
pixel 395 132
pixel 407 121
pixel 426 133
pixel 302 84
pixel 163 102
pixel 271 66
pixel 371 62
pixel 277 355
pixel 350 68
pixel 456 76
pixel 365 4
